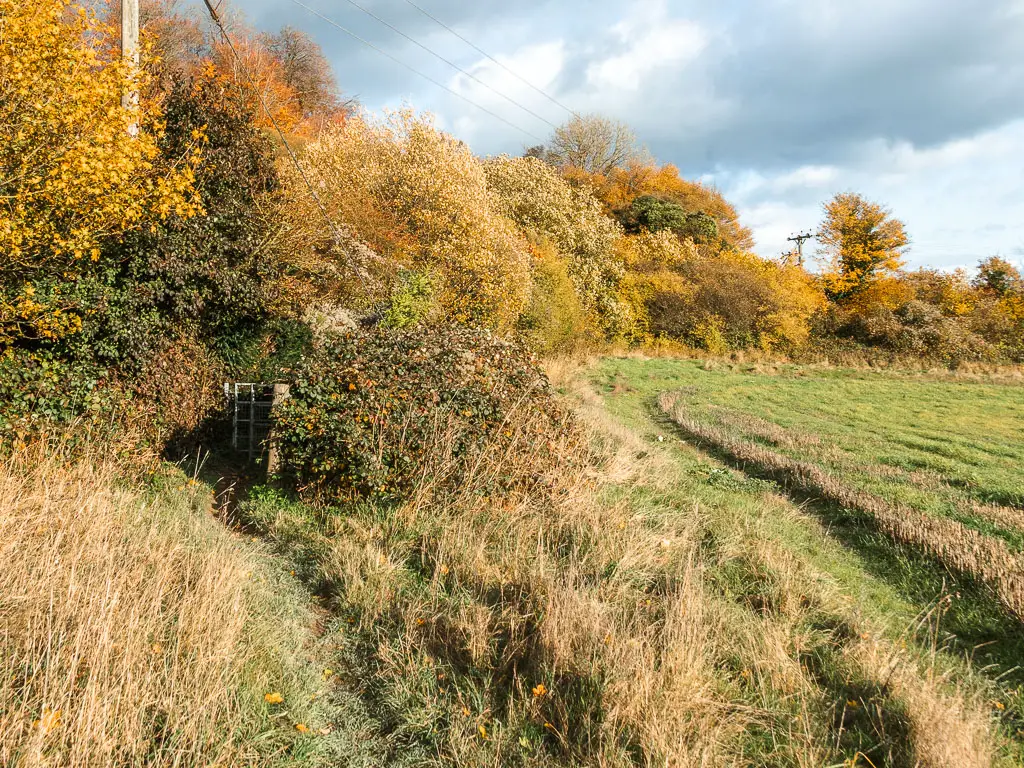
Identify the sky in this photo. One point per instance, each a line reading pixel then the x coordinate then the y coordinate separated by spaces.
pixel 780 104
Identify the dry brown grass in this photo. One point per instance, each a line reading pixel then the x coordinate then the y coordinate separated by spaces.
pixel 126 626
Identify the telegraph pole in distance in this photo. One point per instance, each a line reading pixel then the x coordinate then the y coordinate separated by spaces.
pixel 800 240
pixel 130 54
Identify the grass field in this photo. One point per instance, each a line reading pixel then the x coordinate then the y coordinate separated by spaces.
pixel 844 449
pixel 727 566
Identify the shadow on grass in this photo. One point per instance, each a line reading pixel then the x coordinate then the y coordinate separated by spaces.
pixel 975 624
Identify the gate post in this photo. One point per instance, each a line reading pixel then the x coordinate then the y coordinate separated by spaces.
pixel 281 392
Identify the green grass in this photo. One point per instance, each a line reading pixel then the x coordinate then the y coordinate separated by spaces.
pixel 941 446
pixel 851 422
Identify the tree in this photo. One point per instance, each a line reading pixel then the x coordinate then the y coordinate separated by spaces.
pixel 305 70
pixel 70 177
pixel 655 214
pixel 547 207
pixel 419 197
pixel 640 179
pixel 594 144
pixel 861 242
pixel 998 276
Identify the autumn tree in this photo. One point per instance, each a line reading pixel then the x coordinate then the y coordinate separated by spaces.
pixel 999 277
pixel 420 198
pixel 861 242
pixel 593 144
pixel 547 207
pixel 70 175
pixel 306 71
pixel 624 186
pixel 179 42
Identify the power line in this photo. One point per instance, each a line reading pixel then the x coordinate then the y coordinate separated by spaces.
pixel 338 237
pixel 368 44
pixel 451 64
pixel 484 53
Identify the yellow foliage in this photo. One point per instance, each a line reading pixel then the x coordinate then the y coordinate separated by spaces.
pixel 554 320
pixel 862 243
pixel 727 299
pixel 70 174
pixel 951 292
pixel 884 292
pixel 623 185
pixel 420 198
pixel 542 203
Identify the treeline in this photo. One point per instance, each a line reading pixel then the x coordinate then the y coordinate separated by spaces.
pixel 198 250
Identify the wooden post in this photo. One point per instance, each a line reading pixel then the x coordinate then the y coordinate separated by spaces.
pixel 281 392
pixel 130 54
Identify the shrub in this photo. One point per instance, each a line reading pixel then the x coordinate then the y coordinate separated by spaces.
pixel 731 299
pixel 547 207
pixel 418 198
pixel 917 328
pixel 554 320
pixel 209 276
pixel 374 415
pixel 39 391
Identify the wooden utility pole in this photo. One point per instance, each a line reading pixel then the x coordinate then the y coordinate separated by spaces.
pixel 130 54
pixel 800 240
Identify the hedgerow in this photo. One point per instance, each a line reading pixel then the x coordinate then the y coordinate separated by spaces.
pixel 374 415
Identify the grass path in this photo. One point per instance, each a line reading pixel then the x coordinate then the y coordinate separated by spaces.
pixel 953 626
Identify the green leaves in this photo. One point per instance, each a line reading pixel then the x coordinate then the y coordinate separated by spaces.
pixel 372 415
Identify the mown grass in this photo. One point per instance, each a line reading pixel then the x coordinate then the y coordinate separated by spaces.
pixel 947 447
pixel 889 582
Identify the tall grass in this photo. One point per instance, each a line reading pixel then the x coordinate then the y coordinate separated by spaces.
pixel 133 630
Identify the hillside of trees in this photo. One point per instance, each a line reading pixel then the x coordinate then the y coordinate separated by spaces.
pixel 199 250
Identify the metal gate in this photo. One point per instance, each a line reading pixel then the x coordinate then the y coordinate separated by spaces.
pixel 249 406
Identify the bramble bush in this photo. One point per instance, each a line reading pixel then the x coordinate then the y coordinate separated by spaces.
pixel 376 415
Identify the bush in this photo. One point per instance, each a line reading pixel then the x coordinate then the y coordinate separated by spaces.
pixel 554 320
pixel 207 276
pixel 375 415
pixel 547 207
pixel 39 391
pixel 920 329
pixel 418 198
pixel 731 300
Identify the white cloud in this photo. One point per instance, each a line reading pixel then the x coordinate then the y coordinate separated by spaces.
pixel 651 40
pixel 960 200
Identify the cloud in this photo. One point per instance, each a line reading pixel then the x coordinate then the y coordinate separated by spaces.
pixel 650 41
pixel 781 103
pixel 960 200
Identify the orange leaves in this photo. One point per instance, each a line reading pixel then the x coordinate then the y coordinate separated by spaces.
pixel 68 169
pixel 255 62
pixel 48 721
pixel 862 241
